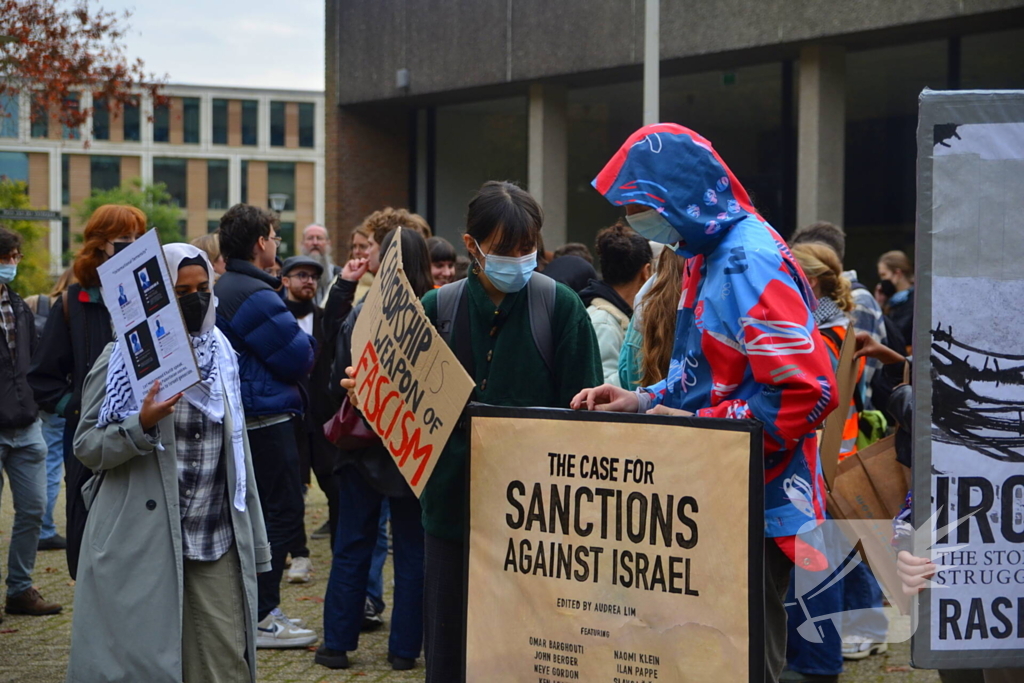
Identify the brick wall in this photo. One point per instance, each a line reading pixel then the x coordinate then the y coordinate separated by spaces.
pixel 367 165
pixel 234 123
pixel 79 185
pixel 197 198
pixel 39 180
pixel 131 168
pixel 177 136
pixel 291 125
pixel 258 184
pixel 305 197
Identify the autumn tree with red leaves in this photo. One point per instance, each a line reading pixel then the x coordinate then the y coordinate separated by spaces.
pixel 53 50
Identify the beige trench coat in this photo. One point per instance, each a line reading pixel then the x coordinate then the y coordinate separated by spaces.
pixel 128 598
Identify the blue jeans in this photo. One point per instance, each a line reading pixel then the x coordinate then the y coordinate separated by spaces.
pixel 23 461
pixel 855 601
pixel 375 586
pixel 53 433
pixel 359 514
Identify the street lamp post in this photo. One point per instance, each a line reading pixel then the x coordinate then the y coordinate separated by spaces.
pixel 278 201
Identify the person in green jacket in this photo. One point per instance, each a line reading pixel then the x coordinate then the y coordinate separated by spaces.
pixel 502 229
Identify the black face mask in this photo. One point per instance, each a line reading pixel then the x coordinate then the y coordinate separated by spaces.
pixel 193 310
pixel 120 246
pixel 888 288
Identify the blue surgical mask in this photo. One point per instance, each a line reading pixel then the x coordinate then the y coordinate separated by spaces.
pixel 509 274
pixel 7 272
pixel 653 226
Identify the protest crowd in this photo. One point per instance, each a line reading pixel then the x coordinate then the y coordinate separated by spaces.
pixel 195 504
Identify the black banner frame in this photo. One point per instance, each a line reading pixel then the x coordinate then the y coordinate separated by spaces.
pixel 755 522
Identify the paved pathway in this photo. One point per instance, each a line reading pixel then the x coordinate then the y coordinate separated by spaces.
pixel 35 649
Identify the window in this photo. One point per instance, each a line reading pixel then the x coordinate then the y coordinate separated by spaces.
pixel 9 116
pixel 65 182
pixel 245 182
pixel 162 124
pixel 190 114
pixel 220 122
pixel 65 241
pixel 212 226
pixel 174 174
pixel 14 166
pixel 132 122
pixel 105 172
pixel 250 120
pixel 281 180
pixel 100 118
pixel 287 240
pixel 71 103
pixel 307 124
pixel 217 183
pixel 277 124
pixel 40 120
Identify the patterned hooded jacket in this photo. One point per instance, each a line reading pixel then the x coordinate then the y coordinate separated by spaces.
pixel 746 345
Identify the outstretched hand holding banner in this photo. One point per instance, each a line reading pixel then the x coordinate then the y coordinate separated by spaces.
pixel 410 387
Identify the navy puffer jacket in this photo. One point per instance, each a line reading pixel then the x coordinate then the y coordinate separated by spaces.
pixel 273 353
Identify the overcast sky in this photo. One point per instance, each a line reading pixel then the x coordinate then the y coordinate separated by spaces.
pixel 251 43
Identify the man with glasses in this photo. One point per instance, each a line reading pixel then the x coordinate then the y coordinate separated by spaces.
pixel 316 244
pixel 22 447
pixel 274 356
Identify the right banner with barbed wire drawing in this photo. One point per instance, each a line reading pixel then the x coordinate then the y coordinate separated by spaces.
pixel 968 493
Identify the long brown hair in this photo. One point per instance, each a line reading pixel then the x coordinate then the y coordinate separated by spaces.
pixel 820 261
pixel 107 223
pixel 658 321
pixel 66 279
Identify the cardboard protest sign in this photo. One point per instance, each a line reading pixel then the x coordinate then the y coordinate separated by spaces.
pixel 869 490
pixel 832 431
pixel 969 379
pixel 410 387
pixel 137 291
pixel 613 547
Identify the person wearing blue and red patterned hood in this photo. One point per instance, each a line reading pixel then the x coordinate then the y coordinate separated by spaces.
pixel 746 345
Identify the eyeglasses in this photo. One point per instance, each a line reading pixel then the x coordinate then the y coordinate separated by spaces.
pixel 11 259
pixel 277 239
pixel 302 276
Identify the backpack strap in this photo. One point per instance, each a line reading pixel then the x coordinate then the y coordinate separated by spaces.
pixel 540 297
pixel 453 323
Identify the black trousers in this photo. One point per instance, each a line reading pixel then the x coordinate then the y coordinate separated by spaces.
pixel 444 580
pixel 318 454
pixel 75 476
pixel 777 571
pixel 275 462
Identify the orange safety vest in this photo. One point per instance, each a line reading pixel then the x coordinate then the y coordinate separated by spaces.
pixel 834 337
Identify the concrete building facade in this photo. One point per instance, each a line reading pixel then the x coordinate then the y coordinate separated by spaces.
pixel 812 103
pixel 212 146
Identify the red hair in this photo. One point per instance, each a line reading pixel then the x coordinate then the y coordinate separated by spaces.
pixel 107 223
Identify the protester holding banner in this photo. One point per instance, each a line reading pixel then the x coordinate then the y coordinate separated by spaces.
pixel 512 364
pixel 746 345
pixel 175 536
pixel 76 332
pixel 367 477
pixel 367 238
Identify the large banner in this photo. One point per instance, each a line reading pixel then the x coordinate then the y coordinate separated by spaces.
pixel 410 387
pixel 613 548
pixel 969 379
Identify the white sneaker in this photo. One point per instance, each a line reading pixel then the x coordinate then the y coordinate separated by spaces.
pixel 298 621
pixel 300 570
pixel 859 647
pixel 275 632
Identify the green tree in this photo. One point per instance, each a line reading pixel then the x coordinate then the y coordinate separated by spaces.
pixel 34 269
pixel 154 201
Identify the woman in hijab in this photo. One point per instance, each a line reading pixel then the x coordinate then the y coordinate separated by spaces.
pixel 166 586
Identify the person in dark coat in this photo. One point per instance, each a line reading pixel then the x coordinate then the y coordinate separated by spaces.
pixel 274 354
pixel 75 335
pixel 22 448
pixel 572 271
